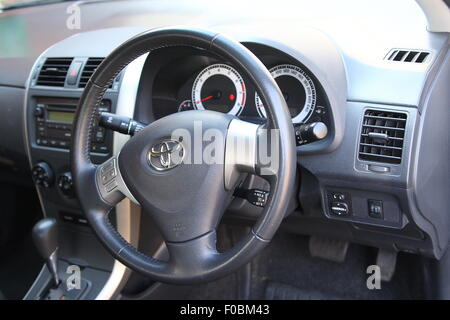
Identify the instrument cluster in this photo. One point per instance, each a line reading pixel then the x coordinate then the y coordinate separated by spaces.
pixel 197 82
pixel 220 87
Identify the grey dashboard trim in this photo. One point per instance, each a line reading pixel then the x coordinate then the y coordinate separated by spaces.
pixel 25 124
pixel 325 62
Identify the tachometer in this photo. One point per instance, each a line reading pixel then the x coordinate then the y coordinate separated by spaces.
pixel 298 90
pixel 219 87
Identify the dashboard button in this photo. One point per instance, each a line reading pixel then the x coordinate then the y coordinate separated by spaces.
pixel 339 208
pixel 338 196
pixel 375 208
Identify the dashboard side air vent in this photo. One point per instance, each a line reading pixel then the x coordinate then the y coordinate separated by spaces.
pixel 88 70
pixel 382 136
pixel 54 71
pixel 401 55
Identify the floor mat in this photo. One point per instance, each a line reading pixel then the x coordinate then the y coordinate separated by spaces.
pixel 287 261
pixel 285 270
pixel 280 291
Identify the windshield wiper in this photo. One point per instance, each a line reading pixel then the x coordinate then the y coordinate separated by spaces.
pixel 30 3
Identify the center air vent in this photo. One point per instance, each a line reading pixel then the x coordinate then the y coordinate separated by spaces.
pixel 407 55
pixel 54 71
pixel 382 136
pixel 88 70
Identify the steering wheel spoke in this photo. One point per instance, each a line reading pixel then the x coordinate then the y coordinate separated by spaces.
pixel 250 148
pixel 189 257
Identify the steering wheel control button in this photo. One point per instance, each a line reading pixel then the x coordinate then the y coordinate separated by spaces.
pixel 42 175
pixel 339 209
pixel 375 208
pixel 111 186
pixel 108 172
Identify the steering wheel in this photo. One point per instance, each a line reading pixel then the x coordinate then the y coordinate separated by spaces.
pixel 186 200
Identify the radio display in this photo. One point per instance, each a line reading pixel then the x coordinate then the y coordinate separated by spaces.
pixel 61 116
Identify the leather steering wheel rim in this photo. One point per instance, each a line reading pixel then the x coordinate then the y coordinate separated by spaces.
pixel 192 260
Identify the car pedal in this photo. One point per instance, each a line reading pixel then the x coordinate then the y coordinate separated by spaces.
pixel 387 261
pixel 329 249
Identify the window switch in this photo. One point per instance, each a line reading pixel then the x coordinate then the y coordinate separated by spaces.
pixel 375 208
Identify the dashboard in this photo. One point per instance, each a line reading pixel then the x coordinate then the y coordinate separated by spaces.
pixel 334 75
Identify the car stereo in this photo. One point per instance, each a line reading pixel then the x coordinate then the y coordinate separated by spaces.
pixel 54 120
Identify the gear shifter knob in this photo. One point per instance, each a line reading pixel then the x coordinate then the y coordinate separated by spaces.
pixel 45 236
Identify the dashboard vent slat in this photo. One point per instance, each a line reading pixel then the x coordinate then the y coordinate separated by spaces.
pixel 54 71
pixel 382 136
pixel 88 70
pixel 413 56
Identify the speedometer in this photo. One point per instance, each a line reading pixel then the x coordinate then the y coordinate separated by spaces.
pixel 298 90
pixel 219 87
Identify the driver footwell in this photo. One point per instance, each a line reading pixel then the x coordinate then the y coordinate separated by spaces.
pixel 286 270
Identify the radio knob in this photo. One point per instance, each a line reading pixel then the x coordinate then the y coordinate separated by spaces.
pixel 42 175
pixel 39 112
pixel 65 184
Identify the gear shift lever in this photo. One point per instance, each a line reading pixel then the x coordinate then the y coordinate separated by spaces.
pixel 46 240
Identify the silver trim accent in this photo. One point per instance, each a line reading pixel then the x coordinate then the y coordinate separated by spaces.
pixel 127 213
pixel 237 161
pixel 52 265
pixel 25 124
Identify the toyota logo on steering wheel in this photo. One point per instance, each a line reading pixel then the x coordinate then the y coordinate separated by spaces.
pixel 166 155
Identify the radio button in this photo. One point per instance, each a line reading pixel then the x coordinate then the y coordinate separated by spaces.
pixel 39 111
pixel 100 136
pixel 103 149
pixel 63 144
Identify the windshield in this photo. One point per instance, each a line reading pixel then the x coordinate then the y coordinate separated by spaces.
pixel 12 4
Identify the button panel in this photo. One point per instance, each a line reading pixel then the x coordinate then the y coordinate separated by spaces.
pixel 51 133
pixel 339 203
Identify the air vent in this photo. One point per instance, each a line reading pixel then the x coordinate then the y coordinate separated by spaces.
pixel 88 70
pixel 382 136
pixel 54 71
pixel 407 56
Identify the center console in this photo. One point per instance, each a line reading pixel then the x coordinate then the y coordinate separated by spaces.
pixel 55 86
